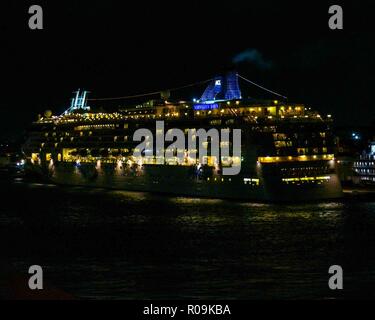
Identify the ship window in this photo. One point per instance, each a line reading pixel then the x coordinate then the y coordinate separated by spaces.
pixel 215 122
pixel 251 181
pixel 279 136
pixel 280 144
pixel 34 156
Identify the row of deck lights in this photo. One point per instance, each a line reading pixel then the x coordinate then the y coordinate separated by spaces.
pixel 117 116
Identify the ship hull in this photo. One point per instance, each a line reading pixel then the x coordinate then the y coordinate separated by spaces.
pixel 176 180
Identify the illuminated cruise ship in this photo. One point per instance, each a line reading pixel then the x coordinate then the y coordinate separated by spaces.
pixel 364 167
pixel 286 148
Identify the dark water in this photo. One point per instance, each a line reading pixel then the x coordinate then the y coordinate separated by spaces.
pixel 102 244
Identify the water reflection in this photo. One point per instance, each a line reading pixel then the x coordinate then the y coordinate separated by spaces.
pixel 124 245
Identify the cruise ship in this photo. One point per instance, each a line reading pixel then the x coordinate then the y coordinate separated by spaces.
pixel 286 148
pixel 364 167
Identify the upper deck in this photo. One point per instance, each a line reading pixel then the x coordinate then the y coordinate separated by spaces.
pixel 252 112
pixel 222 99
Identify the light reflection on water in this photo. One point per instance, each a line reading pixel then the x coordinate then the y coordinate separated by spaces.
pixel 103 244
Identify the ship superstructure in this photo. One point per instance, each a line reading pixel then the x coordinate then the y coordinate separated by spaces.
pixel 286 148
pixel 364 167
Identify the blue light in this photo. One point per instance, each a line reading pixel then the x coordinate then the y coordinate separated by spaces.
pixel 233 90
pixel 356 136
pixel 204 106
pixel 213 89
pixel 223 88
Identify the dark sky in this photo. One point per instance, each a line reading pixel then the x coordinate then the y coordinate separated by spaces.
pixel 128 47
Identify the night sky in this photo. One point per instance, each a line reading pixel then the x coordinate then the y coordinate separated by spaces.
pixel 129 47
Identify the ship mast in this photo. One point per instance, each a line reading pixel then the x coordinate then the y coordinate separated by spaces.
pixel 79 102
